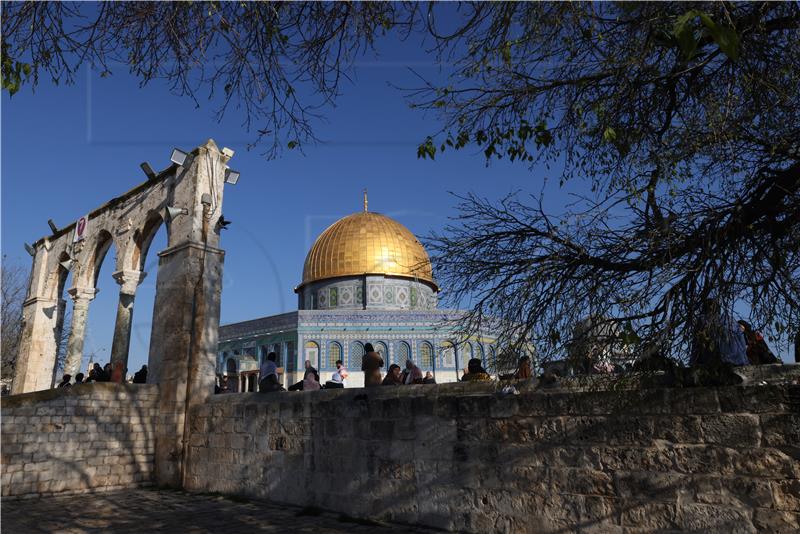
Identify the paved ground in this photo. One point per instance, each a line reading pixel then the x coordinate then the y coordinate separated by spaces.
pixel 147 510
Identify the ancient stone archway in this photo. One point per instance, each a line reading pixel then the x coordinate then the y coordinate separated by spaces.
pixel 186 310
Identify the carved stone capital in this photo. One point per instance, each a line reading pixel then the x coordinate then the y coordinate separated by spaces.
pixel 129 281
pixel 82 295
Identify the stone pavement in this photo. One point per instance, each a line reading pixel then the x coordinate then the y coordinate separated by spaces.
pixel 152 510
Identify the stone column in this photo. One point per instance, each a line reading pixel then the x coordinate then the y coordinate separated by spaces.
pixel 37 351
pixel 183 346
pixel 81 297
pixel 128 281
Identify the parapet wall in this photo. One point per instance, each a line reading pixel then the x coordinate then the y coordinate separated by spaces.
pixel 462 457
pixel 87 437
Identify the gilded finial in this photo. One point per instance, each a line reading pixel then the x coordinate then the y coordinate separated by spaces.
pixel 365 200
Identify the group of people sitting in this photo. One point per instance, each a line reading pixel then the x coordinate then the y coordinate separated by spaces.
pixel 372 363
pixel 103 374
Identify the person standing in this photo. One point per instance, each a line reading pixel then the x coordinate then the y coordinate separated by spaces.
pixel 371 364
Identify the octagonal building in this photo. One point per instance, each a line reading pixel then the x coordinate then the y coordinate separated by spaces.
pixel 366 279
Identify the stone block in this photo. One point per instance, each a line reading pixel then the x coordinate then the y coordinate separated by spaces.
pixel 732 430
pixel 649 516
pixel 753 399
pixel 650 487
pixel 786 494
pixel 780 430
pixel 768 520
pixel 713 518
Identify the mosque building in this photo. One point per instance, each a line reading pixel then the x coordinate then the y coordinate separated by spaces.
pixel 366 279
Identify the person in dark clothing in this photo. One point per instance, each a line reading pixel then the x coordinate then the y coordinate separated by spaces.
pixel 95 373
pixel 757 349
pixel 475 372
pixel 140 376
pixel 269 375
pixel 371 364
pixel 79 378
pixel 392 377
pixel 107 370
pixel 428 378
pixel 65 381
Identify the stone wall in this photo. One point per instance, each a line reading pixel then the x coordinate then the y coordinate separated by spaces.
pixel 87 437
pixel 461 457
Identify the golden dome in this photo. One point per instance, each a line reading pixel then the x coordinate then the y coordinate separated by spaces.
pixel 367 243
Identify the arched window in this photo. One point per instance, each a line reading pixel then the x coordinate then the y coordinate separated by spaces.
pixel 230 366
pixel 426 355
pixel 334 353
pixel 380 348
pixel 356 353
pixel 466 354
pixel 448 354
pixel 481 354
pixel 312 353
pixel 403 353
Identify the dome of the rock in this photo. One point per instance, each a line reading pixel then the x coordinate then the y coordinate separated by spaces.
pixel 367 243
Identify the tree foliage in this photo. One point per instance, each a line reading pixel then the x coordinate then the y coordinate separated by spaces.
pixel 13 287
pixel 253 55
pixel 682 120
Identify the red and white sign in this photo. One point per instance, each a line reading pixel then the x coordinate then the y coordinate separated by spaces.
pixel 81 227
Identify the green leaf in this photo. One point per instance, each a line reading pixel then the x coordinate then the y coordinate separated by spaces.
pixel 726 37
pixel 683 32
pixel 292 144
pixel 609 135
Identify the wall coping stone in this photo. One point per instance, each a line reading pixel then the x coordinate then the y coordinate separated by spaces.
pixel 651 401
pixel 79 390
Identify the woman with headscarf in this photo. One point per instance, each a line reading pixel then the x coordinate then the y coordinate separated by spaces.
pixel 757 349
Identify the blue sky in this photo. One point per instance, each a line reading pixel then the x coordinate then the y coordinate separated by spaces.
pixel 68 149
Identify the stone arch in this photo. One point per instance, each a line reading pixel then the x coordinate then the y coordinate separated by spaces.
pixel 231 366
pixel 100 246
pixel 143 238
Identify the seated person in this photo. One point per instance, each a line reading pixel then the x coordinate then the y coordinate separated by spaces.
pixel 412 374
pixel 269 375
pixel 309 370
pixel 523 371
pixel 338 378
pixel 475 372
pixel 311 382
pixel 428 378
pixel 392 377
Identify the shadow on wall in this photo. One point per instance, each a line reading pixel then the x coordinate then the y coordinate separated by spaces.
pixel 463 457
pixel 82 438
